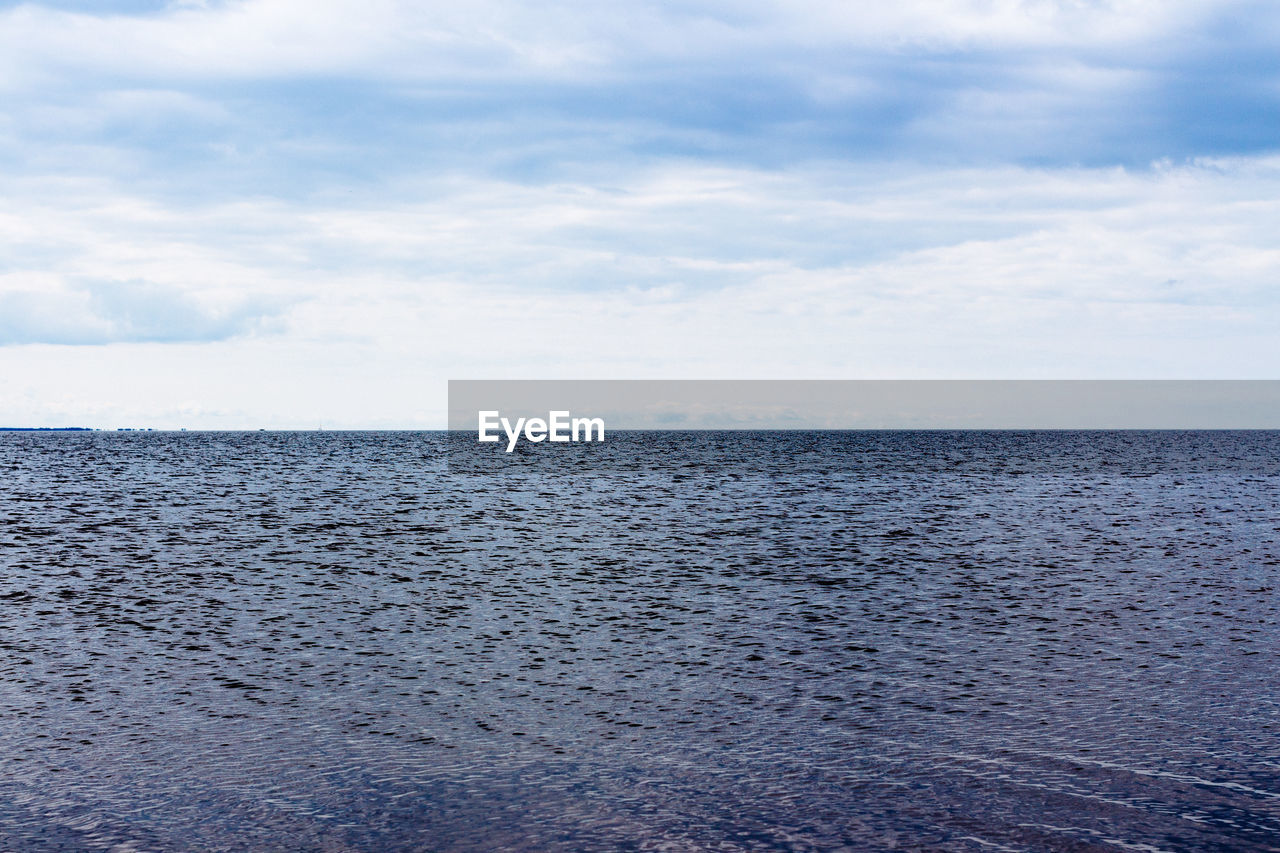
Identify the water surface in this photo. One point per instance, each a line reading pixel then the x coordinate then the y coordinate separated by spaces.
pixel 673 641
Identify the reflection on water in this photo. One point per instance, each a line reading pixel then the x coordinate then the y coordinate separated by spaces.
pixel 986 641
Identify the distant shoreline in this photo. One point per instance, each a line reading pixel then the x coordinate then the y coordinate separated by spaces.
pixel 47 429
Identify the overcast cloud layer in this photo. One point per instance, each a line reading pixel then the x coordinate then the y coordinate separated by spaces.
pixel 286 214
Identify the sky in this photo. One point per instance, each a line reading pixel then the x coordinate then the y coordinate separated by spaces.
pixel 289 214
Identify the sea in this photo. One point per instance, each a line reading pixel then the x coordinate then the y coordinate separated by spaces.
pixel 668 641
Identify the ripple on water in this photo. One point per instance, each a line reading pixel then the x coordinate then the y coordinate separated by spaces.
pixel 670 641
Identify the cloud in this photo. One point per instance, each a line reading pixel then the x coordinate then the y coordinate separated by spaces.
pixel 413 40
pixel 284 96
pixel 105 312
pixel 312 206
pixel 355 311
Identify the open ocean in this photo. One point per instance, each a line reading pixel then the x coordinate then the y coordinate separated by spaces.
pixel 671 641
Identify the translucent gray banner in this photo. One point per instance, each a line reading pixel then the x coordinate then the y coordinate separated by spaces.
pixel 868 404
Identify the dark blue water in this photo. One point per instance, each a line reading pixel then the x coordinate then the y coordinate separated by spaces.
pixel 724 641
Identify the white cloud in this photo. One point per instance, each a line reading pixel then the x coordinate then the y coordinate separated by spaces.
pixel 271 38
pixel 683 271
pixel 104 312
pixel 414 40
pixel 287 97
pixel 277 212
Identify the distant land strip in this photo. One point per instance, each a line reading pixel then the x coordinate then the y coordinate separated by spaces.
pixel 46 429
